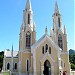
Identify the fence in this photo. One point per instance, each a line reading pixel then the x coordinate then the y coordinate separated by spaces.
pixel 16 73
pixel 72 72
pixel 6 73
pixel 9 73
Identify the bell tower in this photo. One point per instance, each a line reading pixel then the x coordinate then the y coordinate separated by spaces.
pixel 27 30
pixel 57 21
pixel 57 33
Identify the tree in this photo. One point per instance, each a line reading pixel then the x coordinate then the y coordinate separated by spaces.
pixel 72 60
pixel 1 59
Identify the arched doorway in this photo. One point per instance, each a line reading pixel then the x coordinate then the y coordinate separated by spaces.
pixel 47 68
pixel 64 73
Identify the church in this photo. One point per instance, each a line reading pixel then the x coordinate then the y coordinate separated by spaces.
pixel 46 56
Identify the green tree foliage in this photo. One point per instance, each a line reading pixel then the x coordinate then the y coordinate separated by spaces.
pixel 1 59
pixel 72 60
pixel 72 66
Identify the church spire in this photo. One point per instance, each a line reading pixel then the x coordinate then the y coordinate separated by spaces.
pixel 28 5
pixel 12 48
pixel 57 19
pixel 12 51
pixel 12 59
pixel 56 8
pixel 28 33
pixel 46 30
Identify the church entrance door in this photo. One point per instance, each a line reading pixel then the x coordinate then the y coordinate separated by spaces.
pixel 47 68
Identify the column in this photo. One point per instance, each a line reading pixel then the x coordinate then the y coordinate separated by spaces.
pixel 4 65
pixel 19 64
pixel 19 68
pixel 42 70
pixel 49 71
pixel 52 69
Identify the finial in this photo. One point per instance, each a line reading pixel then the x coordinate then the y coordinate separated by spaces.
pixel 64 30
pixel 56 8
pixel 12 47
pixel 34 27
pixel 46 30
pixel 51 32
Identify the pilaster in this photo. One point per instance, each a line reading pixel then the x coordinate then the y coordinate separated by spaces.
pixel 52 69
pixel 4 63
pixel 42 70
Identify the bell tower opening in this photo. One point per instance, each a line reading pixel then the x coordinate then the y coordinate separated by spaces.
pixel 28 18
pixel 59 22
pixel 60 44
pixel 47 68
pixel 28 40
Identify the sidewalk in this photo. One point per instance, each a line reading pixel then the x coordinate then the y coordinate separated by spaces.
pixel 0 74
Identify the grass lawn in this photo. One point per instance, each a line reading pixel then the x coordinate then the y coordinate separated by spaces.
pixel 5 74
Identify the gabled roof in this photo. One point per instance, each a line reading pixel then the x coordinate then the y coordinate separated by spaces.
pixel 42 39
pixel 7 53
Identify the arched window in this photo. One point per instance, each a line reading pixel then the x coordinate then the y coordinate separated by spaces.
pixel 15 66
pixel 28 39
pixel 60 44
pixel 46 47
pixel 8 66
pixel 43 49
pixel 59 21
pixel 28 18
pixel 64 64
pixel 56 14
pixel 27 65
pixel 61 63
pixel 49 50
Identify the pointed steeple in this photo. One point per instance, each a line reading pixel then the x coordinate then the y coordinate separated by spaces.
pixel 46 30
pixel 28 16
pixel 12 59
pixel 12 52
pixel 56 8
pixel 12 48
pixel 28 5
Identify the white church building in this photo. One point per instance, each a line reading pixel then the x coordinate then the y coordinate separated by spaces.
pixel 46 56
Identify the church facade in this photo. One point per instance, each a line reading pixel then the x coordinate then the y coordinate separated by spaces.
pixel 47 56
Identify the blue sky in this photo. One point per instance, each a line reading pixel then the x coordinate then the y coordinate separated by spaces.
pixel 11 16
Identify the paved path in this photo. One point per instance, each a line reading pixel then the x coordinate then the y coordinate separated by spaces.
pixel 0 74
